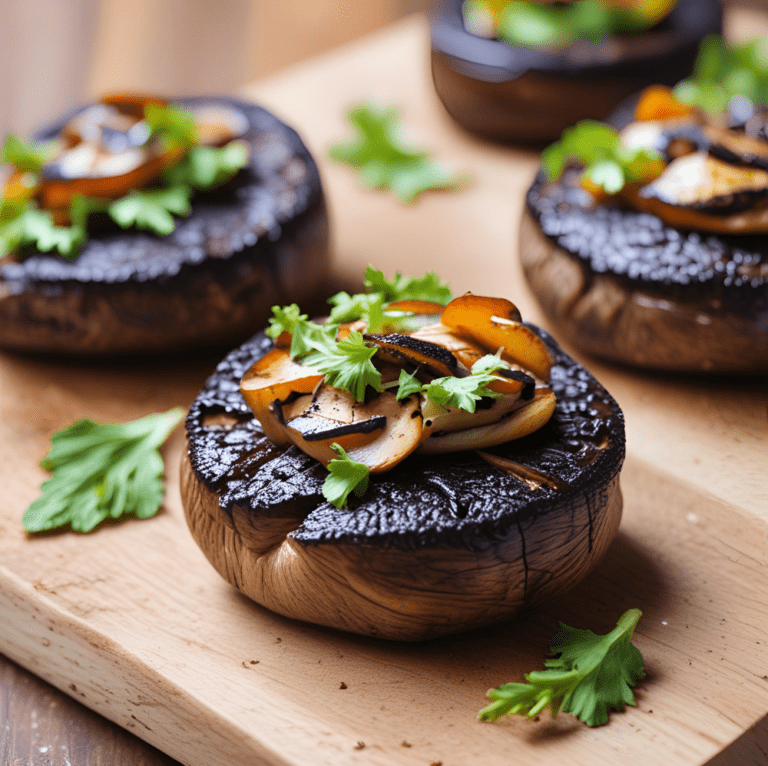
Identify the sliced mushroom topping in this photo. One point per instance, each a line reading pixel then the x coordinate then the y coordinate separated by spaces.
pixel 217 124
pixel 439 420
pixel 275 377
pixel 516 424
pixel 464 350
pixel 380 433
pixel 404 350
pixel 495 324
pixel 699 191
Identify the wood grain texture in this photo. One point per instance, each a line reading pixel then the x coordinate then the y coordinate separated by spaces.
pixel 136 619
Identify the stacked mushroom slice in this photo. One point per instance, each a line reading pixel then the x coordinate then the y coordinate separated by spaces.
pixel 296 406
pixel 716 175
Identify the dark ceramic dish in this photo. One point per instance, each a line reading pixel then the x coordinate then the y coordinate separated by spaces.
pixel 511 93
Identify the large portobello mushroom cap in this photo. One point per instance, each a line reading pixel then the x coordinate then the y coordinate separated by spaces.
pixel 260 239
pixel 439 544
pixel 624 286
pixel 511 93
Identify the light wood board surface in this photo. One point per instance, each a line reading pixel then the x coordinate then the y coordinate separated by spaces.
pixel 134 623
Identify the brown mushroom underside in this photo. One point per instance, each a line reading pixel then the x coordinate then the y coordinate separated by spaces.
pixel 396 594
pixel 609 318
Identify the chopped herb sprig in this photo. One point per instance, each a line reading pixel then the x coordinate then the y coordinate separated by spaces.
pixel 607 164
pixel 102 471
pixel 385 160
pixel 592 675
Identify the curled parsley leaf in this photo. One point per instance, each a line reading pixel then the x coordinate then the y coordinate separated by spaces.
pixel 175 124
pixel 284 319
pixel 345 476
pixel 102 471
pixel 407 385
pixel 26 156
pixel 347 364
pixel 722 72
pixel 385 160
pixel 427 288
pixel 152 210
pixel 592 675
pixel 349 308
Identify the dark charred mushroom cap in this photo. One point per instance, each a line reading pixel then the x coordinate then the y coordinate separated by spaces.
pixel 261 239
pixel 438 544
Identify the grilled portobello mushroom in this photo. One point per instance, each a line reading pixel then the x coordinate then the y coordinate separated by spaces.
pixel 438 544
pixel 260 239
pixel 670 274
pixel 511 92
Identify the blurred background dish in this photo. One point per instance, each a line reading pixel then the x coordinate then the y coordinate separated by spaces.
pixel 512 92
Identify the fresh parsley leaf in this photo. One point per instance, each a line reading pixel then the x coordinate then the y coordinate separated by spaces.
pixel 102 471
pixel 463 393
pixel 284 319
pixel 607 163
pixel 407 385
pixel 173 123
pixel 307 337
pixel 347 365
pixel 206 167
pixel 592 675
pixel 488 364
pixel 151 210
pixel 345 476
pixel 385 160
pixel 26 156
pixel 349 308
pixel 722 72
pixel 427 288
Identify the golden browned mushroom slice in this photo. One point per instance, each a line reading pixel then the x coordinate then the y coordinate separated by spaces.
pixel 495 324
pixel 514 424
pixel 702 192
pixel 218 124
pixel 275 378
pixel 404 350
pixel 464 350
pixel 379 434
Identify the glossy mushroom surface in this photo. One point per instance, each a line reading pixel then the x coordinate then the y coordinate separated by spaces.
pixel 511 93
pixel 260 239
pixel 440 543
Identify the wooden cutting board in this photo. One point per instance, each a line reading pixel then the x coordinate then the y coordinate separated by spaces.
pixel 133 622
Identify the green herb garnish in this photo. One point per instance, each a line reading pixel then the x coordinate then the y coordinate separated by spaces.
pixel 345 476
pixel 284 319
pixel 464 393
pixel 172 123
pixel 722 72
pixel 592 675
pixel 385 160
pixel 28 157
pixel 607 164
pixel 24 224
pixel 350 308
pixel 408 384
pixel 206 167
pixel 427 288
pixel 540 25
pixel 102 471
pixel 152 209
pixel 347 364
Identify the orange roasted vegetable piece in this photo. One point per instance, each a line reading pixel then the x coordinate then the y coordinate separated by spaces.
pixel 659 103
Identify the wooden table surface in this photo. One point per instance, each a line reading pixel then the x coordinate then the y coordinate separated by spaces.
pixel 700 443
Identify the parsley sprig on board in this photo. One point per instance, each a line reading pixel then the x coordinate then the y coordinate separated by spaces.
pixel 607 164
pixel 385 160
pixel 592 675
pixel 102 471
